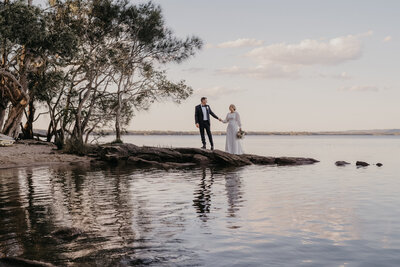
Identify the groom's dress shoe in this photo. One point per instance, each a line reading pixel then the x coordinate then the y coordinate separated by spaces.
pixel 212 148
pixel 203 147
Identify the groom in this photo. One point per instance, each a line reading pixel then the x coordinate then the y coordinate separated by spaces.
pixel 202 119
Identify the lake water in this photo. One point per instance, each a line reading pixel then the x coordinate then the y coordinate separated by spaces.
pixel 317 215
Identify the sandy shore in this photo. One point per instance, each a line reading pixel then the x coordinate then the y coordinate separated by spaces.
pixel 33 153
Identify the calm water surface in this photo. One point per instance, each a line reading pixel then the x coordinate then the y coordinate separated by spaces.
pixel 319 215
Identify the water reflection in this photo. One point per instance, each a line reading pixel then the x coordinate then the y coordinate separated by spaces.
pixel 234 192
pixel 189 217
pixel 202 195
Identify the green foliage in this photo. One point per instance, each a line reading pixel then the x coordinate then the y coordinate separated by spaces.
pixel 22 24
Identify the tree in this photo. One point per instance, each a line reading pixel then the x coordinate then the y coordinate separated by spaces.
pixel 32 44
pixel 121 47
pixel 144 43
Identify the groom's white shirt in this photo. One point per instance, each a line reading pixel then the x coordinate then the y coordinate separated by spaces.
pixel 204 109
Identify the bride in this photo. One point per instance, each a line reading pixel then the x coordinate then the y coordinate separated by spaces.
pixel 233 144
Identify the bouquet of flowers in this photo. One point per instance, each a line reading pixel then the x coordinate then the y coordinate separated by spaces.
pixel 240 134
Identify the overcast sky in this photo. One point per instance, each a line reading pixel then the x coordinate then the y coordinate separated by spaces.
pixel 287 65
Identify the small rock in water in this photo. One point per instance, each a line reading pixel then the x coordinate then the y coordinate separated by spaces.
pixel 67 233
pixel 379 164
pixel 361 163
pixel 341 163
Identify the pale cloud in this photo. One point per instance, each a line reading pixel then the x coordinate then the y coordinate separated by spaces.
pixel 264 71
pixel 363 88
pixel 284 60
pixel 342 76
pixel 241 42
pixel 216 91
pixel 311 51
pixel 387 39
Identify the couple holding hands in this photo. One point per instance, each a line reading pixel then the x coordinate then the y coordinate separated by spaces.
pixel 233 132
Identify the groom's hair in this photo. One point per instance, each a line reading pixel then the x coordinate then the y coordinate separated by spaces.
pixel 203 98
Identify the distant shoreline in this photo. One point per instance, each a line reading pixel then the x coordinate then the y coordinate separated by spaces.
pixel 344 133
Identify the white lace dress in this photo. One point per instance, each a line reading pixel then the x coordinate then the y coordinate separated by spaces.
pixel 233 144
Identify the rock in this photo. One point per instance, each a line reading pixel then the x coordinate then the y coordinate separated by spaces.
pixel 341 163
pixel 16 261
pixel 379 164
pixel 222 158
pixel 67 233
pixel 165 165
pixel 259 160
pixel 362 164
pixel 294 161
pixel 200 159
pixel 167 158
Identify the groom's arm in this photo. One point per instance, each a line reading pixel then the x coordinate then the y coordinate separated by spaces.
pixel 213 114
pixel 196 117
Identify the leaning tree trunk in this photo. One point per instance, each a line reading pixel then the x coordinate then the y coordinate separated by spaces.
pixel 20 88
pixel 3 105
pixel 14 118
pixel 28 128
pixel 2 116
pixel 18 93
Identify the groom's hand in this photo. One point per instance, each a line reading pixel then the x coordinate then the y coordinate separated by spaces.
pixel 197 125
pixel 220 119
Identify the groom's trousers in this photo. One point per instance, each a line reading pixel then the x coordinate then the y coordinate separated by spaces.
pixel 205 125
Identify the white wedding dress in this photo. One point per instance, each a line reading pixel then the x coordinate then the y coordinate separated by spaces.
pixel 233 144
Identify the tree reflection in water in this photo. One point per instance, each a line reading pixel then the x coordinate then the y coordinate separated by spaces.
pixel 126 216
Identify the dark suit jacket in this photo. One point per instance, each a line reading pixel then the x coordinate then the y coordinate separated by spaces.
pixel 198 114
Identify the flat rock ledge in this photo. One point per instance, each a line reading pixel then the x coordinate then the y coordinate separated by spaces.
pixel 168 158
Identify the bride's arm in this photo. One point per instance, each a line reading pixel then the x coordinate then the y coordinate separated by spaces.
pixel 238 120
pixel 226 119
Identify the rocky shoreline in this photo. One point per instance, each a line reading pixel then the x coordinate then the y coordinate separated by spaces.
pixel 185 157
pixel 36 153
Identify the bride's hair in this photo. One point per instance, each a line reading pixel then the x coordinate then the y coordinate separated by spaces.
pixel 233 106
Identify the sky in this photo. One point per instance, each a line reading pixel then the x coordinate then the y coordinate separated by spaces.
pixel 299 65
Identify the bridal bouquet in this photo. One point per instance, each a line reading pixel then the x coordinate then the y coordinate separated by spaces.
pixel 240 134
